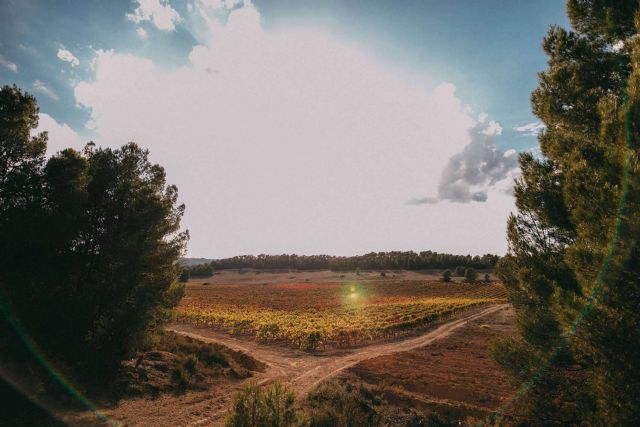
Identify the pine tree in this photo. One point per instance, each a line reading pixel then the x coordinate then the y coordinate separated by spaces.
pixel 573 267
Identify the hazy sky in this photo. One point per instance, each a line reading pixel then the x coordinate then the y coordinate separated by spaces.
pixel 299 126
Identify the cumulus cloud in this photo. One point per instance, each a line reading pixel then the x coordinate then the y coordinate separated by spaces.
pixel 142 33
pixel 61 135
pixel 532 129
pixel 8 64
pixel 159 12
pixel 69 57
pixel 291 141
pixel 493 128
pixel 480 165
pixel 40 87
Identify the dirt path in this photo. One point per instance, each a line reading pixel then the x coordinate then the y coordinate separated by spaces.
pixel 303 371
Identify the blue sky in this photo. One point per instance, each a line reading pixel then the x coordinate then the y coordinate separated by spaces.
pixel 478 59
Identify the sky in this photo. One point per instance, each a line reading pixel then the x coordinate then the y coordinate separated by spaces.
pixel 299 126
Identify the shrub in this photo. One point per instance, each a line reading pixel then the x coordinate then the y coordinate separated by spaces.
pixel 184 275
pixel 487 278
pixel 338 404
pixel 280 410
pixel 311 341
pixel 470 275
pixel 191 364
pixel 270 406
pixel 446 276
pixel 460 270
pixel 180 377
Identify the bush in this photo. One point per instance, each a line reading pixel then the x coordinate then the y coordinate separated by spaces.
pixel 270 406
pixel 470 275
pixel 201 270
pixel 184 275
pixel 460 270
pixel 487 278
pixel 181 378
pixel 338 404
pixel 311 341
pixel 446 276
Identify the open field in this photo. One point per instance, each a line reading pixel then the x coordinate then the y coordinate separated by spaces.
pixel 247 275
pixel 437 359
pixel 316 315
pixel 454 376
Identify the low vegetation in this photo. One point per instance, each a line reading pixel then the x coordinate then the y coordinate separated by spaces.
pixel 175 363
pixel 312 316
pixel 332 403
pixel 270 406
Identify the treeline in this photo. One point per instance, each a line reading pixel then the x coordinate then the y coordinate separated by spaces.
pixel 372 261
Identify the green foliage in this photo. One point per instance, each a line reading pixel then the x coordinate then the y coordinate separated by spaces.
pixel 336 404
pixel 270 406
pixel 89 243
pixel 562 269
pixel 181 378
pixel 470 275
pixel 459 271
pixel 200 270
pixel 487 278
pixel 185 274
pixel 311 341
pixel 372 261
pixel 446 276
pixel 195 351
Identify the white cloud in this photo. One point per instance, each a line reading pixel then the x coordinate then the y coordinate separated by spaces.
pixel 221 4
pixel 160 12
pixel 493 128
pixel 532 129
pixel 481 166
pixel 61 136
pixel 8 64
pixel 40 87
pixel 67 56
pixel 142 33
pixel 293 142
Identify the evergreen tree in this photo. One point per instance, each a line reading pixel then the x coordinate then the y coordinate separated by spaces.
pixel 470 275
pixel 572 268
pixel 89 243
pixel 446 276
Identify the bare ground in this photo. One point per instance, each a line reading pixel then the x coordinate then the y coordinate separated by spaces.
pixel 299 370
pixel 454 376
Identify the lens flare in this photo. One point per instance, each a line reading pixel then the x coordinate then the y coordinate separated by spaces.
pixel 48 366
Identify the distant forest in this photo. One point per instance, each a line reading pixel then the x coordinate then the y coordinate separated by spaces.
pixel 372 261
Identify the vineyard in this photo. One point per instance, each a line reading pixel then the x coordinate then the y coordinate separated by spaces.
pixel 314 315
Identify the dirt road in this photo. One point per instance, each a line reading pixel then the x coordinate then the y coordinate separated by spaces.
pixel 303 371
